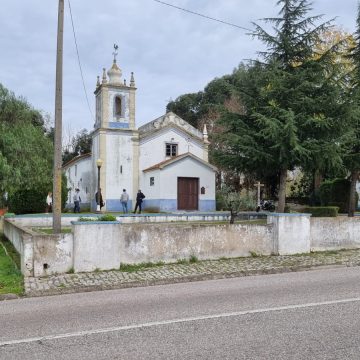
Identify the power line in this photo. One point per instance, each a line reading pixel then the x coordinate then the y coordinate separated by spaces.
pixel 204 16
pixel 79 62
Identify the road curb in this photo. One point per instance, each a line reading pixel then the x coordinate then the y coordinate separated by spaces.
pixel 182 279
pixel 10 296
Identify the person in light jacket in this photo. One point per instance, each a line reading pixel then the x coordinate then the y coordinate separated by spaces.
pixel 49 201
pixel 124 198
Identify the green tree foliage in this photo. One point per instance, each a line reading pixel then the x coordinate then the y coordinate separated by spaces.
pixel 25 149
pixel 80 144
pixel 34 200
pixel 351 141
pixel 195 107
pixel 228 199
pixel 336 193
pixel 291 101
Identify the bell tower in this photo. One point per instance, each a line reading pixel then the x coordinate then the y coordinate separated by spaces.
pixel 115 100
pixel 115 137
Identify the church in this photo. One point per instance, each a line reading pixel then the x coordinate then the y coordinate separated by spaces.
pixel 166 158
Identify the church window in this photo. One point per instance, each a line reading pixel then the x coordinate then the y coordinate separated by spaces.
pixel 202 190
pixel 75 170
pixel 118 106
pixel 152 181
pixel 171 149
pixel 120 169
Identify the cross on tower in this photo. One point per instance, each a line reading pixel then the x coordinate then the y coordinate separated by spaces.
pixel 115 52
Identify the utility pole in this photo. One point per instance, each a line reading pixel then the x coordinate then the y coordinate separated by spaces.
pixel 58 123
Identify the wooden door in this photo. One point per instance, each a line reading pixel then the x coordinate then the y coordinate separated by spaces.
pixel 188 193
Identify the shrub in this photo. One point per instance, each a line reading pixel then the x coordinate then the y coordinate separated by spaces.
pixel 220 201
pixel 107 217
pixel 84 218
pixel 34 200
pixel 336 193
pixel 322 211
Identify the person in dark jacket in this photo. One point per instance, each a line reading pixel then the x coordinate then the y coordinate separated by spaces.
pixel 139 199
pixel 99 199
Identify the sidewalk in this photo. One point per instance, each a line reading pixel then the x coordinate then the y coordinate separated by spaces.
pixel 175 273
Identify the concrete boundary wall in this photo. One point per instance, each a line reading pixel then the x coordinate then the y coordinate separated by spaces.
pixel 40 254
pixel 291 233
pixel 96 245
pixel 335 233
pixel 105 245
pixel 170 242
pixel 67 219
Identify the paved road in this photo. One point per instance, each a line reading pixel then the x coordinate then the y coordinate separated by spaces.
pixel 304 315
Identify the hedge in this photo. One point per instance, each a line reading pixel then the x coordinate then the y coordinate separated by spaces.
pixel 34 201
pixel 322 211
pixel 336 193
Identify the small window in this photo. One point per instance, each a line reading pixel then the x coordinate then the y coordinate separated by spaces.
pixel 202 190
pixel 120 169
pixel 75 170
pixel 118 106
pixel 152 181
pixel 171 149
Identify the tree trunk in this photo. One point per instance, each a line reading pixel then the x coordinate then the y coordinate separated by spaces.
pixel 352 197
pixel 318 178
pixel 282 191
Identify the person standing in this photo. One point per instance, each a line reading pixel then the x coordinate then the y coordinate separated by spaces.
pixel 49 201
pixel 77 200
pixel 124 198
pixel 139 199
pixel 99 199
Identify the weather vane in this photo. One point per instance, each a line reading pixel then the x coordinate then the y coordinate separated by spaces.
pixel 115 52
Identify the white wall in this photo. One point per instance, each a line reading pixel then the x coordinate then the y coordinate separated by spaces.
pixel 168 243
pixel 187 167
pixel 79 175
pixel 151 192
pixel 337 233
pixel 152 149
pixel 124 95
pixel 119 153
pixel 96 246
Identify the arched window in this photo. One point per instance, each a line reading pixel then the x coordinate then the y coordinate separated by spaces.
pixel 118 110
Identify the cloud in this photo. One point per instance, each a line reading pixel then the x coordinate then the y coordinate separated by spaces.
pixel 170 52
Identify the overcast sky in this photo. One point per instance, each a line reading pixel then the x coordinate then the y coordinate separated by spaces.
pixel 170 52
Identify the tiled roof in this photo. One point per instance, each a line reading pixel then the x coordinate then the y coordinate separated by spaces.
pixel 75 159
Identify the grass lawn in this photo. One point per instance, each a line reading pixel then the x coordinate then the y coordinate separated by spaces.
pixel 11 279
pixel 49 231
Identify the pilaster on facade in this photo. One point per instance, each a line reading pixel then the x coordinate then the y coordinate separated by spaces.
pixel 206 152
pixel 136 154
pixel 132 101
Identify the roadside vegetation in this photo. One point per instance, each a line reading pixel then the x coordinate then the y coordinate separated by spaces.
pixel 11 279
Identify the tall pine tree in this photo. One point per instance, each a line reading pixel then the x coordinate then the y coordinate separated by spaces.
pixel 291 101
pixel 352 138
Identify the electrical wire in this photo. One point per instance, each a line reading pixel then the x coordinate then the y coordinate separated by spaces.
pixel 204 16
pixel 79 62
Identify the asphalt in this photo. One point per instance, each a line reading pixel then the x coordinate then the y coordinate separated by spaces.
pixel 301 315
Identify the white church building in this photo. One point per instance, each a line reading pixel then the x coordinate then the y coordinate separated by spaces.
pixel 166 158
